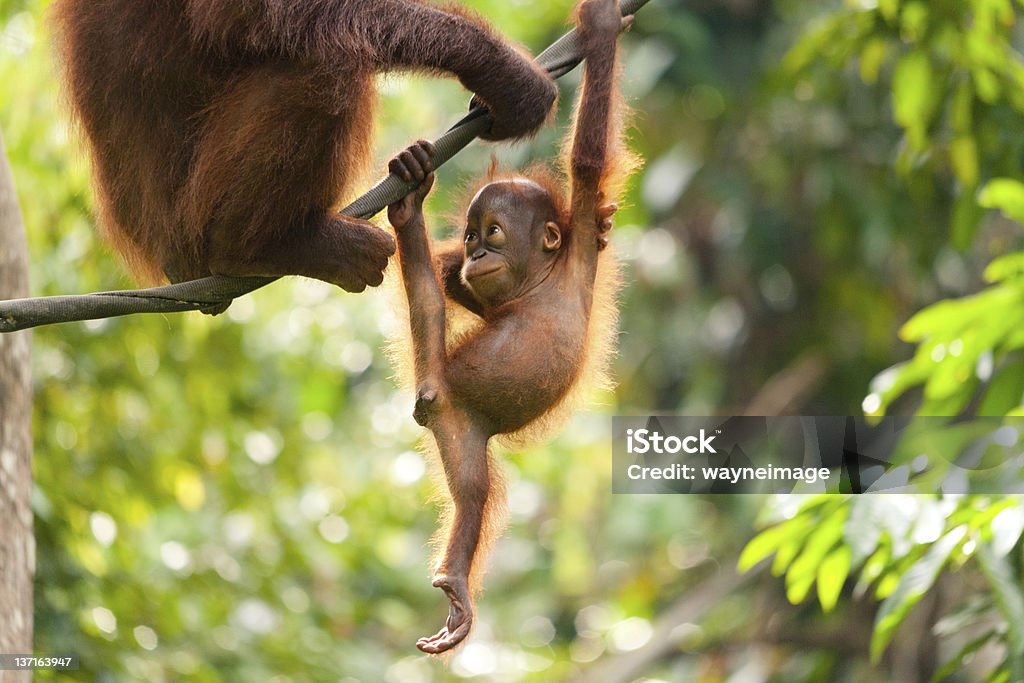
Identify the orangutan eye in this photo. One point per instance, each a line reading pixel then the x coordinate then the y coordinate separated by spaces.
pixel 496 237
pixel 470 237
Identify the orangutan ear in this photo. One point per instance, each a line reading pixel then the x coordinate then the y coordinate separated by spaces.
pixel 552 236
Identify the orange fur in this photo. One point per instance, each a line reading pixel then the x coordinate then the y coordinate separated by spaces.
pixel 223 134
pixel 513 325
pixel 593 375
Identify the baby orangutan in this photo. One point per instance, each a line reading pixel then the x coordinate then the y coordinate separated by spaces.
pixel 528 262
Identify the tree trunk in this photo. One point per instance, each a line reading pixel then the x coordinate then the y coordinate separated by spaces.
pixel 17 543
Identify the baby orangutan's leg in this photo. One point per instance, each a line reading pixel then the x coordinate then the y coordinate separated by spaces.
pixel 467 471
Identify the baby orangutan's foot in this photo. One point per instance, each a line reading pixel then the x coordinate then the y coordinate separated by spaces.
pixel 460 616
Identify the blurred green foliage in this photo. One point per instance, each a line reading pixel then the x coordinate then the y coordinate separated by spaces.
pixel 897 547
pixel 956 83
pixel 240 498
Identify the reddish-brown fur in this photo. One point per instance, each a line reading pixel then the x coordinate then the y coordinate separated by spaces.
pixel 528 268
pixel 223 133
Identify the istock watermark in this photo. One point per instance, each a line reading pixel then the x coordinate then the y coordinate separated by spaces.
pixel 834 454
pixel 643 441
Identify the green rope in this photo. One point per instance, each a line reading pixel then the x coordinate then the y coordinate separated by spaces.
pixel 18 314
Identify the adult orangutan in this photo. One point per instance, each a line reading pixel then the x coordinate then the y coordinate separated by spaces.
pixel 224 132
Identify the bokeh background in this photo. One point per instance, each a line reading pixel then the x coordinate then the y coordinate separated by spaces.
pixel 242 498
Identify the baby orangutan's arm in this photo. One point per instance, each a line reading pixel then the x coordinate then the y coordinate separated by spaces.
pixel 424 293
pixel 597 130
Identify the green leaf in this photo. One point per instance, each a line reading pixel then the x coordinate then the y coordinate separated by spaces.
pixel 1005 194
pixel 943 319
pixel 862 530
pixel 804 570
pixel 888 584
pixel 832 576
pixel 963 156
pixel 954 663
pixel 785 554
pixel 785 539
pixel 1006 267
pixel 770 541
pixel 873 568
pixel 889 9
pixel 962 107
pixel 966 216
pixel 815 41
pixel 1005 392
pixel 914 21
pixel 1007 527
pixel 871 59
pixel 913 99
pixel 912 586
pixel 1008 597
pixel 986 84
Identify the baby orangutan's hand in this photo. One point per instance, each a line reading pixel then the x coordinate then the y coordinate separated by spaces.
pixel 415 163
pixel 599 20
